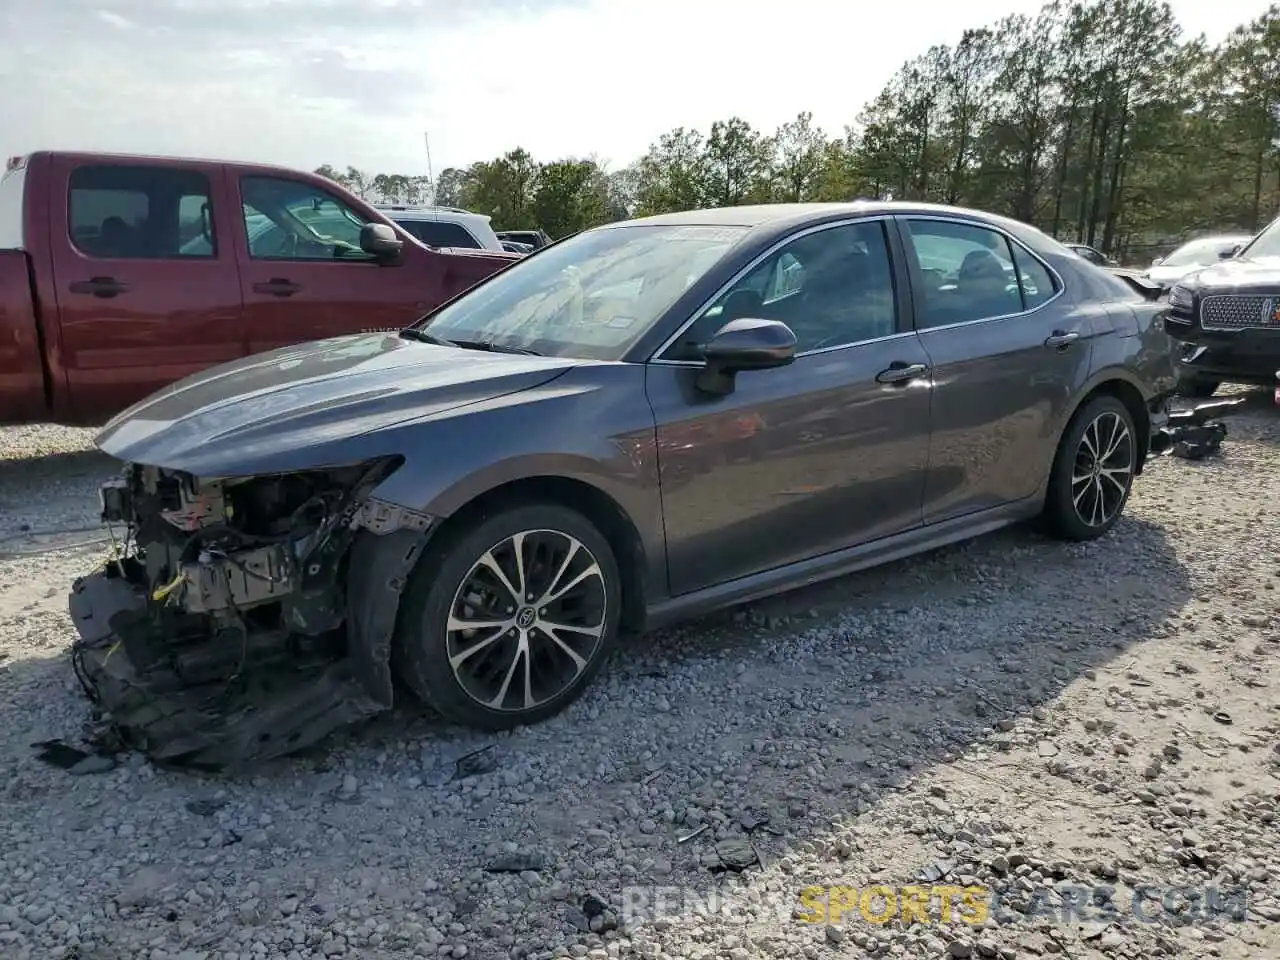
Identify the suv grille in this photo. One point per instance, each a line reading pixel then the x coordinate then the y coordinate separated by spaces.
pixel 1239 313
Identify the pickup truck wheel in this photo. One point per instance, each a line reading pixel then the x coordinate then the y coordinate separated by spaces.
pixel 1093 471
pixel 506 622
pixel 1198 387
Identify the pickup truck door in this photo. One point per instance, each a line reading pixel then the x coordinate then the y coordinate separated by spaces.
pixel 304 275
pixel 146 285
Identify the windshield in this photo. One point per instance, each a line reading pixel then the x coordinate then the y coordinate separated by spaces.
pixel 1197 251
pixel 1265 244
pixel 590 296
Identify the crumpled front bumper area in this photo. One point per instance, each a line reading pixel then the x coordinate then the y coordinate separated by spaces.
pixel 173 697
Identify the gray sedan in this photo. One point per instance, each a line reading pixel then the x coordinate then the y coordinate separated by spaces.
pixel 640 423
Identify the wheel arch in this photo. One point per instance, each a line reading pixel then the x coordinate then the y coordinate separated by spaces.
pixel 1118 383
pixel 596 505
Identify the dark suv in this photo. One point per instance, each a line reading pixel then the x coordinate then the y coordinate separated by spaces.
pixel 1227 319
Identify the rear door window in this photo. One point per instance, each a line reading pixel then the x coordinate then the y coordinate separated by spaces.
pixel 141 213
pixel 967 272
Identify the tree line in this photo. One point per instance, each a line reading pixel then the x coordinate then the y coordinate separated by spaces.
pixel 1098 122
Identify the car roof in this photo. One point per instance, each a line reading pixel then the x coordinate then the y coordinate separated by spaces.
pixel 772 219
pixel 756 215
pixel 398 211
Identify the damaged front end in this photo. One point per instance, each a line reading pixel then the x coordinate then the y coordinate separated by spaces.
pixel 245 618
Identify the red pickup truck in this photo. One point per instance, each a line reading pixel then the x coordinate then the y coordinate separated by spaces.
pixel 121 274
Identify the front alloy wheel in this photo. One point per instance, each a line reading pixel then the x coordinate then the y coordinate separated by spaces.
pixel 506 621
pixel 526 620
pixel 1093 470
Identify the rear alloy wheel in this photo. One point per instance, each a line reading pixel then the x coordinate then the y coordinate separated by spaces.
pixel 1093 471
pixel 507 623
pixel 1198 387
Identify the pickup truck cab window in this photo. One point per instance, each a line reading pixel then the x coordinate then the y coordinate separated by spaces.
pixel 140 213
pixel 313 224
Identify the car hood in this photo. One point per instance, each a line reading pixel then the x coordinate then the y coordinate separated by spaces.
pixel 292 408
pixel 1171 274
pixel 1253 275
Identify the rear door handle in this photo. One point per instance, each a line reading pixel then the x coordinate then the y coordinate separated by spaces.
pixel 105 287
pixel 899 372
pixel 277 287
pixel 1061 338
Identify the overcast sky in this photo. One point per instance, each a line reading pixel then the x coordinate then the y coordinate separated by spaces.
pixel 304 82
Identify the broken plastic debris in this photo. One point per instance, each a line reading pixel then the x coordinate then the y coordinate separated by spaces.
pixel 516 863
pixel 75 761
pixel 735 854
pixel 695 833
pixel 936 871
pixel 205 807
pixel 475 763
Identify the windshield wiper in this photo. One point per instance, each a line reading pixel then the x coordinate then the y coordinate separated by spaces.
pixel 422 336
pixel 412 333
pixel 491 347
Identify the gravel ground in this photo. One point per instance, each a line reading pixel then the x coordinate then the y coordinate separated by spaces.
pixel 1015 714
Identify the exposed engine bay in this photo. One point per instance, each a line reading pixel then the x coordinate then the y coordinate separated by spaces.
pixel 242 618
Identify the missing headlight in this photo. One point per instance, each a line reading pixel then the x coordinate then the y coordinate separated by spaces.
pixel 225 631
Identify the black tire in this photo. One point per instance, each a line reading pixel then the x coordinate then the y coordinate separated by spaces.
pixel 424 642
pixel 1198 387
pixel 1070 511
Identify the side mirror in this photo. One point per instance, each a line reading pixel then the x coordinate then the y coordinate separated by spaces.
pixel 380 241
pixel 1157 261
pixel 744 344
pixel 1112 263
pixel 1228 254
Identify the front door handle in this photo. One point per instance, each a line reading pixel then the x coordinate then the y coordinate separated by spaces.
pixel 277 287
pixel 105 287
pixel 899 372
pixel 1061 339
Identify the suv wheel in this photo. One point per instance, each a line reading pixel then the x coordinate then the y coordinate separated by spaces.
pixel 1198 387
pixel 506 622
pixel 1092 471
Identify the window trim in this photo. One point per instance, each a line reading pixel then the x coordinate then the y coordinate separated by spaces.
pixel 367 260
pixel 917 281
pixel 902 304
pixel 177 256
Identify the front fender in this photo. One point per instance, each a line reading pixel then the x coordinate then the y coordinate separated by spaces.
pixel 593 425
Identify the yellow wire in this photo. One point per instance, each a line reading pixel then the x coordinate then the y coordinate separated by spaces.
pixel 167 589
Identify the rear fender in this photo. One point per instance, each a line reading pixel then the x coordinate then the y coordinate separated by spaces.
pixel 1113 374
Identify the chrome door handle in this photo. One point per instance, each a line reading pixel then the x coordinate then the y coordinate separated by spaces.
pixel 1061 338
pixel 902 372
